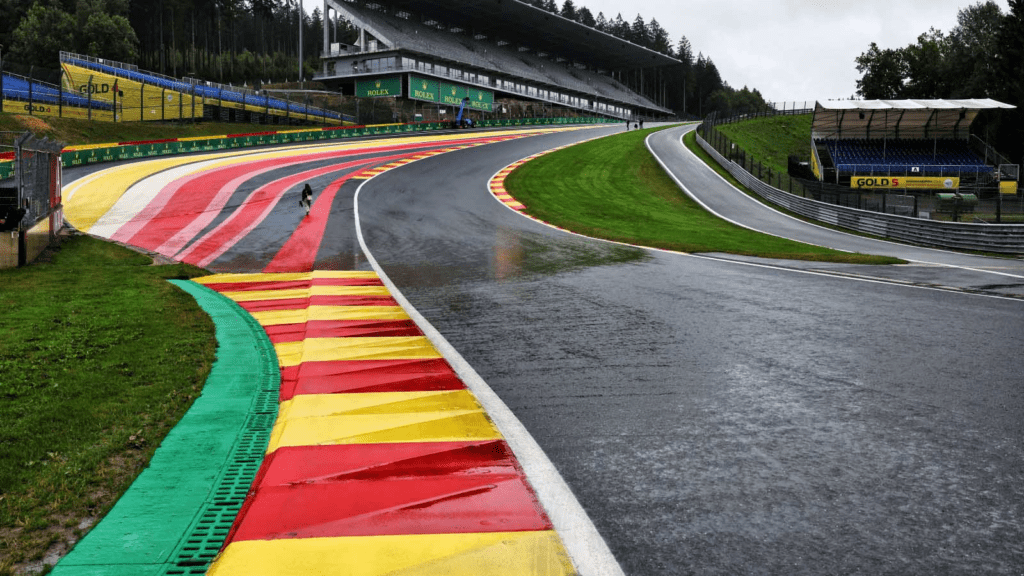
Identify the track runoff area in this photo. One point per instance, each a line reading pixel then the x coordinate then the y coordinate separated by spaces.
pixel 381 460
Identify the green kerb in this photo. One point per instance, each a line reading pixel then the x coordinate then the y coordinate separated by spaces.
pixel 174 518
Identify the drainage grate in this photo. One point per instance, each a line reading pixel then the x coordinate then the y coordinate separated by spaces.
pixel 206 536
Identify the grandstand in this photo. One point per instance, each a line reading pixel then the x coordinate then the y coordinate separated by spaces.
pixel 98 89
pixel 926 143
pixel 493 48
pixel 150 96
pixel 21 94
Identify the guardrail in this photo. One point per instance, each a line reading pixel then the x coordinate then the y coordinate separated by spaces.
pixel 1001 238
pixel 113 152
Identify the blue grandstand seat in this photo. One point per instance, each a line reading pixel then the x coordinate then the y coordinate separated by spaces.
pixel 17 88
pixel 930 157
pixel 218 92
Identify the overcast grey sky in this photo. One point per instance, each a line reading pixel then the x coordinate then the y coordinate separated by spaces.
pixel 790 50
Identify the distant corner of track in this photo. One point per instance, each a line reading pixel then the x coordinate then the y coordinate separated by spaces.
pixel 496 187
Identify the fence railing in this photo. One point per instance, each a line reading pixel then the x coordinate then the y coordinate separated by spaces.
pixel 1003 238
pixel 992 205
pixel 31 210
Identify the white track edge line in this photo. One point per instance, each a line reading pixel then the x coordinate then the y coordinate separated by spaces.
pixel 586 547
pixel 883 281
pixel 772 208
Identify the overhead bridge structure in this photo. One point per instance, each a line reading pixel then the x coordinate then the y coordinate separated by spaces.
pixel 442 52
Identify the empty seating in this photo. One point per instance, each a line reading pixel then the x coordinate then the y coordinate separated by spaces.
pixel 505 60
pixel 20 88
pixel 200 89
pixel 905 156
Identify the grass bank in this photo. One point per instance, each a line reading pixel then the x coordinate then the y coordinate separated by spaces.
pixel 773 140
pixel 100 356
pixel 613 188
pixel 72 131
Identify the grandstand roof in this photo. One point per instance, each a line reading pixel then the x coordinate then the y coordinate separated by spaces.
pixel 893 118
pixel 518 22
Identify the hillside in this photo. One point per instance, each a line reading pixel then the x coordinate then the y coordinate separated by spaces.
pixel 773 140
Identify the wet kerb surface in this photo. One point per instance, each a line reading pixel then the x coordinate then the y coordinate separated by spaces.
pixel 711 416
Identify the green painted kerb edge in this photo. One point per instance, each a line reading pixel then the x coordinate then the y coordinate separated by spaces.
pixel 175 516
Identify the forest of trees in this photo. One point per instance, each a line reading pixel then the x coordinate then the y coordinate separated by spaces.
pixel 982 57
pixel 246 41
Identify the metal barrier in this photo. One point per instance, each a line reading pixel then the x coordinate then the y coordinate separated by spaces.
pixel 37 188
pixel 1002 238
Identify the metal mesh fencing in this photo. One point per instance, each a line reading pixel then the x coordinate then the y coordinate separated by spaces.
pixel 38 177
pixel 989 203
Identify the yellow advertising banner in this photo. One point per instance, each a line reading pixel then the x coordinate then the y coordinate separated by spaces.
pixel 43 109
pixel 906 182
pixel 135 100
pixel 1007 187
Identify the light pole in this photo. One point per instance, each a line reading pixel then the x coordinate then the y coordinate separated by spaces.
pixel 298 5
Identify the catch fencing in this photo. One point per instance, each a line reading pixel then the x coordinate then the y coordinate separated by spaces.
pixel 1002 238
pixel 32 209
pixel 991 203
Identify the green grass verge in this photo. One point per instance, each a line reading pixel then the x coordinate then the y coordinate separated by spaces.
pixel 100 356
pixel 613 188
pixel 71 131
pixel 773 140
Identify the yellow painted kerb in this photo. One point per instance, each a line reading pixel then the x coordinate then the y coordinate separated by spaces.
pixel 538 553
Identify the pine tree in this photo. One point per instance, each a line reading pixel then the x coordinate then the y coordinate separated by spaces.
pixel 638 32
pixel 569 10
pixel 585 17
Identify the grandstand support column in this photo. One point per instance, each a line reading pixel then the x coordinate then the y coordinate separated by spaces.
pixel 327 33
pixel 1 77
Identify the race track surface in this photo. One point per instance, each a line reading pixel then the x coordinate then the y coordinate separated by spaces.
pixel 712 415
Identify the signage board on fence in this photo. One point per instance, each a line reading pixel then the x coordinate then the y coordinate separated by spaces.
pixel 424 89
pixel 135 100
pixel 379 87
pixel 1007 187
pixel 452 93
pixel 906 182
pixel 814 164
pixel 480 99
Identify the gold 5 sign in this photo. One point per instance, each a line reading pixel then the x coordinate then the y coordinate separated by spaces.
pixel 901 182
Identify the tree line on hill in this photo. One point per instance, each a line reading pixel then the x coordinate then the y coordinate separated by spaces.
pixel 246 41
pixel 981 57
pixel 693 87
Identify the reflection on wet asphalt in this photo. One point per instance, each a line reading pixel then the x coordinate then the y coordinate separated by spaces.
pixel 715 418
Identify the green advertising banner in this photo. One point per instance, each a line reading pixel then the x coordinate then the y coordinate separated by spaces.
pixel 480 99
pixel 452 93
pixel 424 89
pixel 379 87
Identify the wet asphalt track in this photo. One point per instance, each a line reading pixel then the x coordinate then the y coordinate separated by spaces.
pixel 719 418
pixel 715 417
